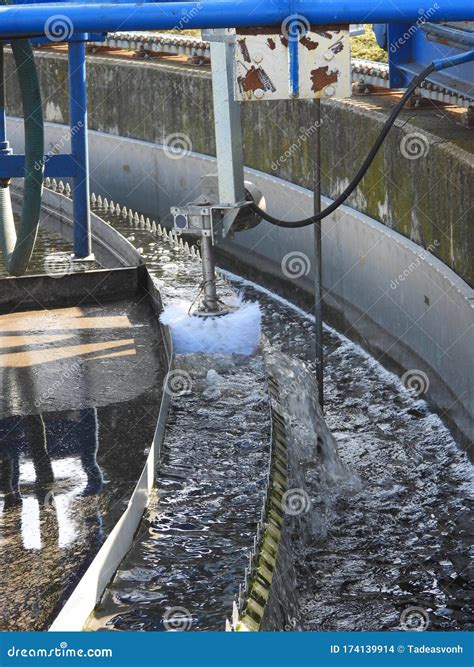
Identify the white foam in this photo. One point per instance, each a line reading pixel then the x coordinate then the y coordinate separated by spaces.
pixel 236 333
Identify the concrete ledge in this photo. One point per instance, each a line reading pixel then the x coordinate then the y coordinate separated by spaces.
pixel 26 292
pixel 107 285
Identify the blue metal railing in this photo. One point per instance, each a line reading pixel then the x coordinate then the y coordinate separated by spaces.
pixel 30 19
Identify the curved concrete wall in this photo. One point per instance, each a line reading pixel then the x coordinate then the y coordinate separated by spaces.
pixel 404 305
pixel 425 199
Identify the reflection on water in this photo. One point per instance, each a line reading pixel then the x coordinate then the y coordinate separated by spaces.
pixel 80 395
pixel 66 478
pixel 38 441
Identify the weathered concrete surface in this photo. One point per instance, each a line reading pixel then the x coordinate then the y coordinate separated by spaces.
pixel 427 199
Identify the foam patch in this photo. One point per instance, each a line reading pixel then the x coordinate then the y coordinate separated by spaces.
pixel 236 333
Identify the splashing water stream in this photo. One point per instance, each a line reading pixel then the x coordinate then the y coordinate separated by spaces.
pixel 389 526
pixel 380 513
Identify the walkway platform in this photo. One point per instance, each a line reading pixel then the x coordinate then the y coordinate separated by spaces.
pixel 81 380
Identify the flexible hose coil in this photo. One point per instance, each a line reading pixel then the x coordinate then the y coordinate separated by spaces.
pixel 17 246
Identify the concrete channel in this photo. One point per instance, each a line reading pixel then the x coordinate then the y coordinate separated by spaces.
pixel 402 303
pixel 397 299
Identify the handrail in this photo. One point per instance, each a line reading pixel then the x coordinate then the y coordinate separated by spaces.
pixel 33 19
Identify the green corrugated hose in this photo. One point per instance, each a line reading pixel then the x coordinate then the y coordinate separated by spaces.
pixel 17 246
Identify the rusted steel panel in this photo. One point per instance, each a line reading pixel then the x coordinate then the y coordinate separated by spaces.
pixel 262 63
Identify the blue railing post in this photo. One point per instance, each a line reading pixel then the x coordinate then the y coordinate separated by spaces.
pixel 4 146
pixel 79 148
pixel 294 27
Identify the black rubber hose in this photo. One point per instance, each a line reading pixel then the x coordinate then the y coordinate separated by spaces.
pixel 362 171
pixel 17 247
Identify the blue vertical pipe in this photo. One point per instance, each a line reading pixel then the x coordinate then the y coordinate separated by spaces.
pixel 293 54
pixel 79 148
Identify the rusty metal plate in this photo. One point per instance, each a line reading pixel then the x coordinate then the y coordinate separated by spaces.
pixel 262 64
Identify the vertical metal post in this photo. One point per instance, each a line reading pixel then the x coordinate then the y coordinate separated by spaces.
pixel 228 122
pixel 293 54
pixel 3 124
pixel 229 151
pixel 79 149
pixel 318 274
pixel 211 304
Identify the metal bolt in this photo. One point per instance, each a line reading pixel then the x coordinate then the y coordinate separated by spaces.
pixel 259 93
pixel 329 91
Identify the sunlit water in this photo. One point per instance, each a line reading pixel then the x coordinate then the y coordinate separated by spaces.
pixel 400 536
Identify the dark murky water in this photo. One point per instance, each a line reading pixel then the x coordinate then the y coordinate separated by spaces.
pixel 401 538
pixel 186 564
